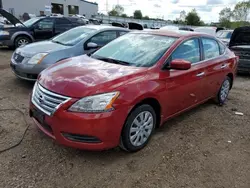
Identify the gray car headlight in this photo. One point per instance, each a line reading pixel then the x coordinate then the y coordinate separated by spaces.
pixel 36 59
pixel 96 103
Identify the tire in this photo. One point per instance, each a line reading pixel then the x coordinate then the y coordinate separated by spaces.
pixel 138 128
pixel 224 91
pixel 22 40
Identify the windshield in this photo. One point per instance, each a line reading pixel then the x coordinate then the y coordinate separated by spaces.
pixel 224 34
pixel 73 36
pixel 140 50
pixel 31 21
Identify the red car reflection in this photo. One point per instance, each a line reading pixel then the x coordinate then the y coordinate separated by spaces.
pixel 125 90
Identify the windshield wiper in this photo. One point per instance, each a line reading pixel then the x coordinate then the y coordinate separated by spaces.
pixel 55 41
pixel 110 60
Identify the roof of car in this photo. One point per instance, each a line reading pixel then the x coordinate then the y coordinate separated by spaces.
pixel 103 27
pixel 177 33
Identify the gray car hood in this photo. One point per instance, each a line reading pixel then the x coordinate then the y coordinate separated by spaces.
pixel 40 47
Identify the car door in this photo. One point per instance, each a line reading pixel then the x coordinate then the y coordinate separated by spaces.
pixel 44 29
pixel 101 39
pixel 183 86
pixel 62 25
pixel 215 64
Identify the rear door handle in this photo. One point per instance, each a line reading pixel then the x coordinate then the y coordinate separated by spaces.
pixel 200 74
pixel 223 66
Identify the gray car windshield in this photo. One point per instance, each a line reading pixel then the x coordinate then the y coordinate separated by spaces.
pixel 134 49
pixel 31 21
pixel 73 36
pixel 224 34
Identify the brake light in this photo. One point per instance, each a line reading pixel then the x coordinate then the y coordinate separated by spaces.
pixel 237 58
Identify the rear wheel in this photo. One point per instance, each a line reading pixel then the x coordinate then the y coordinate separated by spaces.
pixel 22 40
pixel 138 128
pixel 224 91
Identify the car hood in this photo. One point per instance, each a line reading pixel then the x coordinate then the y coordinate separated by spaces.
pixel 82 76
pixel 12 19
pixel 240 36
pixel 40 47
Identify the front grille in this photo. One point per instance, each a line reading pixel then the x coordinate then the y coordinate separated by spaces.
pixel 18 58
pixel 47 101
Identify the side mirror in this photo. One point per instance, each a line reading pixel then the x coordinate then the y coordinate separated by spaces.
pixel 180 64
pixel 92 45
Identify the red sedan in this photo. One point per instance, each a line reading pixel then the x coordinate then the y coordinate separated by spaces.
pixel 125 90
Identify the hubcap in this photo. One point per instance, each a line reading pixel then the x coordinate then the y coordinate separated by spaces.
pixel 224 90
pixel 141 128
pixel 22 42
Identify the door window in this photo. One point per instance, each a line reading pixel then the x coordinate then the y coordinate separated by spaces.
pixel 62 21
pixel 104 37
pixel 211 48
pixel 46 24
pixel 122 33
pixel 189 51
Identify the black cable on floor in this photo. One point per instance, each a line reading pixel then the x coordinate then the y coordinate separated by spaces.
pixel 24 133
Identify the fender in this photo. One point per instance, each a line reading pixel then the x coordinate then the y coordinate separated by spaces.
pixel 16 34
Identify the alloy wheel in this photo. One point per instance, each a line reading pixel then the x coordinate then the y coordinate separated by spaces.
pixel 22 42
pixel 225 88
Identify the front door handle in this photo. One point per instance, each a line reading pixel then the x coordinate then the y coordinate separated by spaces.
pixel 200 74
pixel 223 66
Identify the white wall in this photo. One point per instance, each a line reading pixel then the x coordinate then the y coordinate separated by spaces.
pixel 35 6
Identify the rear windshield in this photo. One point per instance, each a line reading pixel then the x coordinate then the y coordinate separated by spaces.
pixel 242 38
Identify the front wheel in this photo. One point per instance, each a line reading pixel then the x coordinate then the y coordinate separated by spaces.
pixel 22 40
pixel 138 128
pixel 224 91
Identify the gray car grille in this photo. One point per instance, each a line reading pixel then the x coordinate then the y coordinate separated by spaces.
pixel 47 101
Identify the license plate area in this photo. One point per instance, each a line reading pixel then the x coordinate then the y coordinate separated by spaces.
pixel 38 115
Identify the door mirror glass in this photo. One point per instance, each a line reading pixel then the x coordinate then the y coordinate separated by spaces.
pixel 92 45
pixel 180 64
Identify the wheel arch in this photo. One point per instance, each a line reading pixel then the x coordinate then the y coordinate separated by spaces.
pixel 154 103
pixel 231 76
pixel 22 33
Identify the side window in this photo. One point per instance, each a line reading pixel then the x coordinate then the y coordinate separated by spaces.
pixel 222 48
pixel 62 21
pixel 104 37
pixel 46 24
pixel 189 51
pixel 211 48
pixel 122 33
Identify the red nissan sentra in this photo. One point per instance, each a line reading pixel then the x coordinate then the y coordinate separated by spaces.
pixel 131 86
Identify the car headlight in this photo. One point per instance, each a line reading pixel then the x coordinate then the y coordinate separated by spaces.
pixel 96 103
pixel 4 33
pixel 36 59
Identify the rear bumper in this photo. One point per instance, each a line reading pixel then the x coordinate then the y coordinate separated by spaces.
pixel 244 65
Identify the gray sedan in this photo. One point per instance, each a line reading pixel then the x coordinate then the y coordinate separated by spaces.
pixel 29 60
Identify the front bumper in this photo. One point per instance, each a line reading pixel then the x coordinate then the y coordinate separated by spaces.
pixel 244 65
pixel 82 130
pixel 27 71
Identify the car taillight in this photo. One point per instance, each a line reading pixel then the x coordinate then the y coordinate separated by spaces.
pixel 237 58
